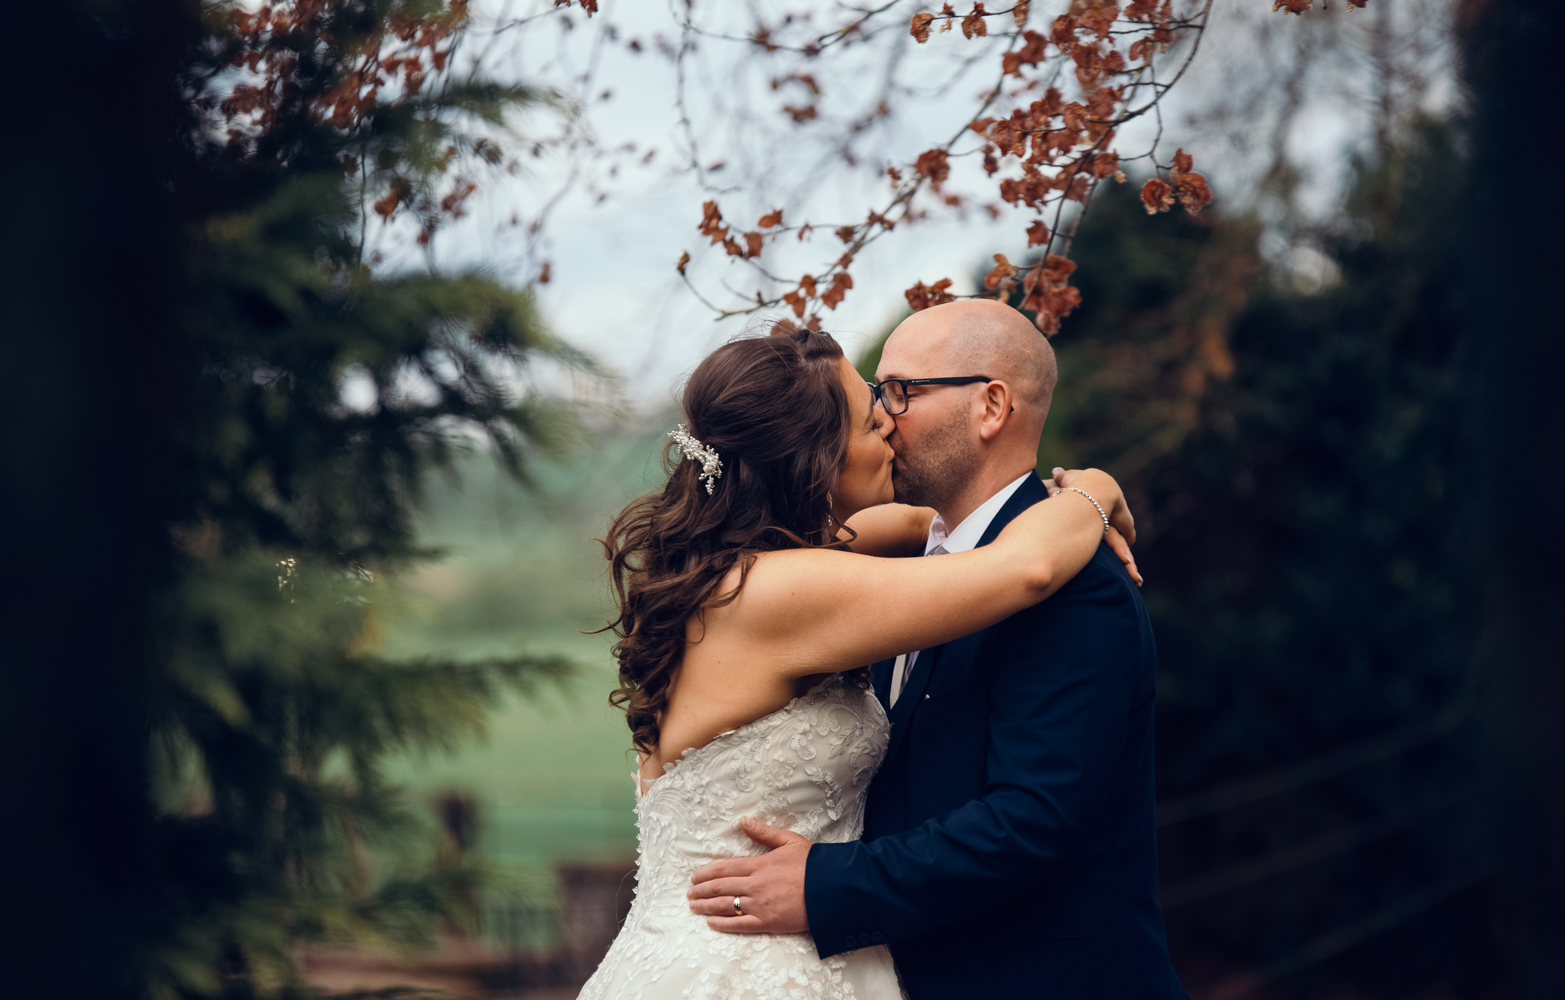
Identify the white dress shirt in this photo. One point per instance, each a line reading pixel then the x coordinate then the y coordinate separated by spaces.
pixel 940 542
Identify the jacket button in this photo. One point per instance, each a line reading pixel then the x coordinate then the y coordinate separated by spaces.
pixel 877 938
pixel 853 940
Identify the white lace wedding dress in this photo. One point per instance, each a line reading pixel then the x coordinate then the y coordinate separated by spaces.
pixel 805 768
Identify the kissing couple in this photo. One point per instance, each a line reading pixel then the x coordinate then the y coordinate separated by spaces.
pixel 973 813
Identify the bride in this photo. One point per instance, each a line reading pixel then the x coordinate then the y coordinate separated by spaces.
pixel 753 590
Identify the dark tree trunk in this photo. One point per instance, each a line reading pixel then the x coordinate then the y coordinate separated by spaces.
pixel 86 317
pixel 1511 52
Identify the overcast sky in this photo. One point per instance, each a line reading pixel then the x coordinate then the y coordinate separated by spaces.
pixel 612 241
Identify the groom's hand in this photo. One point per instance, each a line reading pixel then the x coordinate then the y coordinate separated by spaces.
pixel 770 888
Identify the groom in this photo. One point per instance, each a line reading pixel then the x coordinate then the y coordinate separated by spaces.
pixel 1009 841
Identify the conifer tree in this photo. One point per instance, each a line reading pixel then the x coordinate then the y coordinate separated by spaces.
pixel 258 510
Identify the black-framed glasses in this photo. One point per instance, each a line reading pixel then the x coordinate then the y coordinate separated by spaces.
pixel 892 393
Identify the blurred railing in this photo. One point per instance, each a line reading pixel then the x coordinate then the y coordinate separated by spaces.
pixel 549 944
pixel 1338 843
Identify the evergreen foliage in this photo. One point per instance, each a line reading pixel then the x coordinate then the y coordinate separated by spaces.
pixel 1294 445
pixel 264 711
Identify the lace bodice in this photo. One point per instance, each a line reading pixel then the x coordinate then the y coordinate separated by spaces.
pixel 806 768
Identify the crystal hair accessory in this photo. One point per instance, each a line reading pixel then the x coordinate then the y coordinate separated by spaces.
pixel 711 465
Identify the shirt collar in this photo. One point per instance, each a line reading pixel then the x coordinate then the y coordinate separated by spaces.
pixel 973 526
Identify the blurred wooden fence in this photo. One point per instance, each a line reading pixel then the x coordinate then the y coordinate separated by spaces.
pixel 1464 866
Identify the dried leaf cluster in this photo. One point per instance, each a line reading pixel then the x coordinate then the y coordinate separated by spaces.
pixel 1045 134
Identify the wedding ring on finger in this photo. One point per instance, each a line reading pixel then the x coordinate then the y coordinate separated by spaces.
pixel 738 910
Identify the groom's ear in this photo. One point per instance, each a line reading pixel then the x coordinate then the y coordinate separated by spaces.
pixel 998 408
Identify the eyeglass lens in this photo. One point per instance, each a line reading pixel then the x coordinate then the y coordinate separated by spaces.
pixel 893 396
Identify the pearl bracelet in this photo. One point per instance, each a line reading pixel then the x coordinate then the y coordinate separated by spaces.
pixel 1072 489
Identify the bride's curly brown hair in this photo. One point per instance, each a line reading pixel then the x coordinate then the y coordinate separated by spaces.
pixel 775 410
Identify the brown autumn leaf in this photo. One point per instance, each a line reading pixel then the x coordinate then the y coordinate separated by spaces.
pixel 1157 196
pixel 388 205
pixel 1037 234
pixel 1002 275
pixel 1183 162
pixel 1105 164
pixel 712 223
pixel 973 24
pixel 1075 116
pixel 1100 19
pixel 1063 33
pixel 799 298
pixel 770 219
pixel 752 244
pixel 922 296
pixel 846 233
pixel 1292 6
pixel 932 163
pixel 734 249
pixel 920 29
pixel 684 258
pixel 1046 291
pixel 1193 192
pixel 1019 11
pixel 1030 54
pixel 545 273
pixel 840 283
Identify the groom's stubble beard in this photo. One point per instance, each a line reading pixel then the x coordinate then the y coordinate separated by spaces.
pixel 936 471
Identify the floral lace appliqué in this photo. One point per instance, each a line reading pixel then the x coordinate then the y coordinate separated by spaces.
pixel 806 768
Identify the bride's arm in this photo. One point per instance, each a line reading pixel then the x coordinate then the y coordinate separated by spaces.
pixel 891 529
pixel 809 611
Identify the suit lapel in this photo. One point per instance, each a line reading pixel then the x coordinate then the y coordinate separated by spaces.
pixel 1028 493
pixel 902 712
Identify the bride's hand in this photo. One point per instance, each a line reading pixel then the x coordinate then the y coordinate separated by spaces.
pixel 1122 549
pixel 1119 517
pixel 1112 500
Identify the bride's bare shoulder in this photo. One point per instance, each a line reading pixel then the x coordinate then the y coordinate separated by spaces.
pixel 770 594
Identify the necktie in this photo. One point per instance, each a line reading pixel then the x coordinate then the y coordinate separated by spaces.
pixel 903 668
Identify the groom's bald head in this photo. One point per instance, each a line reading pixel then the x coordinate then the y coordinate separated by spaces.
pixel 981 337
pixel 957 445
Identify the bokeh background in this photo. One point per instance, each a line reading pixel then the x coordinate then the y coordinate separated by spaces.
pixel 304 688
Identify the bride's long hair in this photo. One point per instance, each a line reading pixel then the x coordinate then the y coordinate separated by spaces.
pixel 774 409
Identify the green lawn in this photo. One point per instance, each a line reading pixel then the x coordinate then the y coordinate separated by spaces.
pixel 522 575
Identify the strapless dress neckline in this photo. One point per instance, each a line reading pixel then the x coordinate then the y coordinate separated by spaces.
pixel 806 768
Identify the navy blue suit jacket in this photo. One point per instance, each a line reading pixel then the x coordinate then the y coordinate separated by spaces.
pixel 1009 839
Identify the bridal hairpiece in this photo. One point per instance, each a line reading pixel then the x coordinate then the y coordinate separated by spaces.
pixel 711 465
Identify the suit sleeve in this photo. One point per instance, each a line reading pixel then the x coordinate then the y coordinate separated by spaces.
pixel 1062 679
